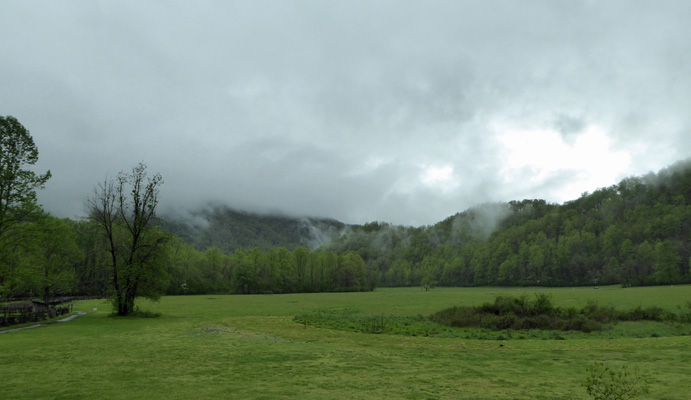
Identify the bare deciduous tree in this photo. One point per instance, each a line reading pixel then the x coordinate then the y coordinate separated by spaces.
pixel 125 210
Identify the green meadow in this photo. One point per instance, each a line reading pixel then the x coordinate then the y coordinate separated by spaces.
pixel 251 347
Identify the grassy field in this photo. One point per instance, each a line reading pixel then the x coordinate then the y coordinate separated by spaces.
pixel 249 347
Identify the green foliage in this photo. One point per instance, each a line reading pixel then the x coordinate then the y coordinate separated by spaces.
pixel 632 233
pixel 349 320
pixel 91 270
pixel 18 186
pixel 254 271
pixel 49 252
pixel 605 383
pixel 520 313
pixel 667 263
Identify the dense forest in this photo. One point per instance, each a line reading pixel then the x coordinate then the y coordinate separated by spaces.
pixel 193 271
pixel 636 232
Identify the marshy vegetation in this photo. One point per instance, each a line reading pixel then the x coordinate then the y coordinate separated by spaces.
pixel 522 313
pixel 513 317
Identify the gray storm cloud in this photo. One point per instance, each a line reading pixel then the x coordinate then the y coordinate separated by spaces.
pixel 360 111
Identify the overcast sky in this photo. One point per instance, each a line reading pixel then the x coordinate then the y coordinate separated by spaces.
pixel 398 111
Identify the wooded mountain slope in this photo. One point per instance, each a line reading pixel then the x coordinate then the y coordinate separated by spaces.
pixel 637 232
pixel 229 230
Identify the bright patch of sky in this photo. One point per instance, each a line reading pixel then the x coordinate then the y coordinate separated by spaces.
pixel 545 153
pixel 439 177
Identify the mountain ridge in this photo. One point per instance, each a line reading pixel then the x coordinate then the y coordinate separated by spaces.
pixel 230 229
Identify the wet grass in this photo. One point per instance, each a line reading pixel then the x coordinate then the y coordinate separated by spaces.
pixel 250 347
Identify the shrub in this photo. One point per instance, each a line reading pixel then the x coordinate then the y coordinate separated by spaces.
pixel 542 304
pixel 604 383
pixel 581 323
pixel 599 313
pixel 521 313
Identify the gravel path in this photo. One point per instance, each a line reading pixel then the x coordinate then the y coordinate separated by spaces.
pixel 70 318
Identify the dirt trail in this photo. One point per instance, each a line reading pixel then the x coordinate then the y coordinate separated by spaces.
pixel 70 318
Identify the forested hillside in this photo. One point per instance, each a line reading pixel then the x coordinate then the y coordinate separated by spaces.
pixel 637 232
pixel 229 230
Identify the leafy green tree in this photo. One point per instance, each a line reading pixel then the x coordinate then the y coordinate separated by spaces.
pixel 301 259
pixel 431 269
pixel 326 264
pixel 17 184
pixel 185 276
pixel 628 264
pixel 672 222
pixel 399 273
pixel 611 239
pixel 502 252
pixel 536 262
pixel 667 262
pixel 351 272
pixel 508 270
pixel 91 271
pixel 563 255
pixel 611 273
pixel 315 273
pixel 18 187
pixel 125 211
pixel 373 274
pixel 452 273
pixel 585 262
pixel 285 272
pixel 478 263
pixel 213 268
pixel 627 250
pixel 246 277
pixel 270 270
pixel 51 255
pixel 645 261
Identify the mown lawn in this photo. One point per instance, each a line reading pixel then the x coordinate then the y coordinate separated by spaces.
pixel 248 347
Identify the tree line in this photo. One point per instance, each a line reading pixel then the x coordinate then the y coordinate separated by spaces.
pixel 637 232
pixel 54 257
pixel 277 270
pixel 183 269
